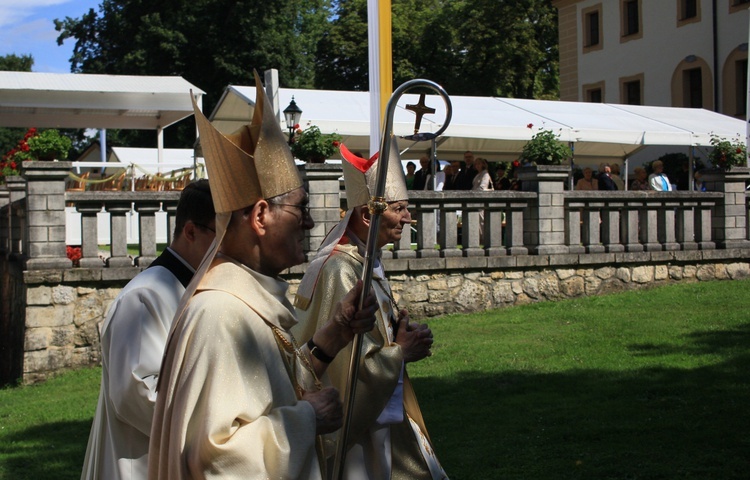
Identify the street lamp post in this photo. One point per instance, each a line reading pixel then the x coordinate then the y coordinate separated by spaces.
pixel 292 114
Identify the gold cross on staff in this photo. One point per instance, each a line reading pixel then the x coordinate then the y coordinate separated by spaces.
pixel 420 109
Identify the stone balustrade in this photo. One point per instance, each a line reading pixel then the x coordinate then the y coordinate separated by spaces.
pixel 466 251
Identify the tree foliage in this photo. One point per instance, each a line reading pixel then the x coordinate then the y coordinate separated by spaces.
pixel 471 47
pixel 210 43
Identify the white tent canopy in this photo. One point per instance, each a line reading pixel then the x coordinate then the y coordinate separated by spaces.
pixel 52 100
pixel 494 126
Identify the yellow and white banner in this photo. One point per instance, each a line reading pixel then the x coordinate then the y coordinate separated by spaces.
pixel 381 65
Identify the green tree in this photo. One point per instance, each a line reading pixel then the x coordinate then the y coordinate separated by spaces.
pixel 14 63
pixel 211 43
pixel 471 47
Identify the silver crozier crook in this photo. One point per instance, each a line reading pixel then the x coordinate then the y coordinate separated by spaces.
pixel 377 206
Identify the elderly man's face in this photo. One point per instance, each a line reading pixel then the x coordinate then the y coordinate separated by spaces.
pixel 393 221
pixel 290 219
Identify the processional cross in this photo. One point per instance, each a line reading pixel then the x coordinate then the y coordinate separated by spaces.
pixel 420 109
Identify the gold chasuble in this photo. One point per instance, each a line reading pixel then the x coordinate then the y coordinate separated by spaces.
pixel 380 368
pixel 227 407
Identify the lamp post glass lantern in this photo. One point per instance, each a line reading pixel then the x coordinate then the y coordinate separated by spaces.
pixel 292 114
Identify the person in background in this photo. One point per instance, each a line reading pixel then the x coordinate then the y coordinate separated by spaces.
pixel 659 180
pixel 439 178
pixel 133 336
pixel 502 182
pixel 410 169
pixel 423 176
pixel 469 172
pixel 615 176
pixel 482 180
pixel 640 182
pixel 605 182
pixel 454 180
pixel 587 182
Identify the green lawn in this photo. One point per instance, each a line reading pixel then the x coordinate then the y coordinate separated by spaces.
pixel 651 384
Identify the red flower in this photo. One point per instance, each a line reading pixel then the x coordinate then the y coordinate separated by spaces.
pixel 516 163
pixel 13 165
pixel 296 126
pixel 531 125
pixel 335 143
pixel 739 150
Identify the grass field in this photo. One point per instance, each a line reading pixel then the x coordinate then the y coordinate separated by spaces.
pixel 651 384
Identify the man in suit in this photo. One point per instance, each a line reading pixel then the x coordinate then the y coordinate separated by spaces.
pixel 423 176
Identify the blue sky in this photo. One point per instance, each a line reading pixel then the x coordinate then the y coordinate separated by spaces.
pixel 26 27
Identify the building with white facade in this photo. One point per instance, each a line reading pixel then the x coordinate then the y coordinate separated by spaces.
pixel 678 53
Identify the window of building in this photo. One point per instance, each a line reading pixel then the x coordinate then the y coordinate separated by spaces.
pixel 630 20
pixel 631 90
pixel 632 25
pixel 738 5
pixel 688 11
pixel 692 82
pixel 593 93
pixel 592 28
pixel 741 87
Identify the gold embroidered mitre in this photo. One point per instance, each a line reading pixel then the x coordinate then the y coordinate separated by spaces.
pixel 360 177
pixel 250 164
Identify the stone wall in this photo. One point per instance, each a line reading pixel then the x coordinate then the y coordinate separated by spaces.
pixel 64 312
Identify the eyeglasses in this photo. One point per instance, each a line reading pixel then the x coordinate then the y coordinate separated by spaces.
pixel 204 226
pixel 304 209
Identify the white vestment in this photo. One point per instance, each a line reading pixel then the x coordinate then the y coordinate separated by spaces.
pixel 133 337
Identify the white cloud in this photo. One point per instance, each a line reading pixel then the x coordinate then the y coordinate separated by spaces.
pixel 13 12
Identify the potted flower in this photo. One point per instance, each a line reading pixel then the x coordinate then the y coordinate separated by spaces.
pixel 726 154
pixel 49 145
pixel 545 148
pixel 11 162
pixel 313 146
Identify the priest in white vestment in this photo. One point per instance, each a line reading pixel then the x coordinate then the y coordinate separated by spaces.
pixel 133 336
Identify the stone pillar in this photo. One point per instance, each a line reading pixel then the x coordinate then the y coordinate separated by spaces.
pixel 16 214
pixel 322 184
pixel 147 232
pixel 729 222
pixel 45 219
pixel 118 234
pixel 90 234
pixel 544 222
pixel 427 228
